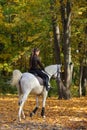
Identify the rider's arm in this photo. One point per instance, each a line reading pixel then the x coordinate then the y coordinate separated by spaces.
pixel 40 64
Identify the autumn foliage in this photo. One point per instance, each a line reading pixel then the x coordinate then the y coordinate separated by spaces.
pixel 60 114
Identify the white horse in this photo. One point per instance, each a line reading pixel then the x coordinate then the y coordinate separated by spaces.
pixel 27 83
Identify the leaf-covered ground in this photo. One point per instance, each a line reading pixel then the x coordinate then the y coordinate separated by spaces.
pixel 60 114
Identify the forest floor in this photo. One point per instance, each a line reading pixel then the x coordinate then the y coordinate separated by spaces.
pixel 60 114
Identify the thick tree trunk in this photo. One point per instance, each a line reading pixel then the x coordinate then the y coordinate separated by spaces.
pixel 68 66
pixel 56 34
pixel 56 43
pixel 63 91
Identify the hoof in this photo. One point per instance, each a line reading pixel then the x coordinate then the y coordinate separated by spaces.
pixel 31 114
pixel 19 119
pixel 19 103
pixel 44 116
pixel 24 117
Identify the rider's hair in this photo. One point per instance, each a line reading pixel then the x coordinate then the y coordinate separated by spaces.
pixel 35 50
pixel 32 54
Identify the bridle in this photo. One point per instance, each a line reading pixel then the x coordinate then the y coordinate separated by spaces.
pixel 57 73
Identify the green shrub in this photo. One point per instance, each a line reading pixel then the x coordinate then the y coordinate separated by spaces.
pixel 74 91
pixel 54 90
pixel 5 87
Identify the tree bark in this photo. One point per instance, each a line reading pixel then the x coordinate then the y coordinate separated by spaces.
pixel 80 80
pixel 84 81
pixel 56 32
pixel 68 66
pixel 83 67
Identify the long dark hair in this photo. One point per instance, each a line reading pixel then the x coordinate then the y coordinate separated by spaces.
pixel 35 50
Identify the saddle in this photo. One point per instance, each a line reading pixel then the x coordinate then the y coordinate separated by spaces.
pixel 41 81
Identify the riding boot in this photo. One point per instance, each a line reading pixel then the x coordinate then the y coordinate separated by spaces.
pixel 48 87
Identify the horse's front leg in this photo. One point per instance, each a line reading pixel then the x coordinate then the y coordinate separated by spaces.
pixel 35 109
pixel 45 93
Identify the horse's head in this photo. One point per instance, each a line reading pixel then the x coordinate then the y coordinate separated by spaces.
pixel 58 71
pixel 53 71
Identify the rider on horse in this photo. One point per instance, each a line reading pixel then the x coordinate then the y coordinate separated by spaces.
pixel 36 67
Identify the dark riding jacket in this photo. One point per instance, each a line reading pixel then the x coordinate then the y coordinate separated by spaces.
pixel 35 63
pixel 36 67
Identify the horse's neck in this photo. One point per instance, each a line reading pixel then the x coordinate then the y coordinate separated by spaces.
pixel 51 70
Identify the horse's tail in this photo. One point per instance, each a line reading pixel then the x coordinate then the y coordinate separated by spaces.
pixel 16 77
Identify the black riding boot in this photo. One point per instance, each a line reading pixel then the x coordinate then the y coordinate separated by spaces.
pixel 48 87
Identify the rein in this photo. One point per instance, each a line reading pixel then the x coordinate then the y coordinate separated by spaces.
pixel 48 73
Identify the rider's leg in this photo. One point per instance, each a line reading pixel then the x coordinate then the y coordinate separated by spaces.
pixel 45 78
pixel 47 83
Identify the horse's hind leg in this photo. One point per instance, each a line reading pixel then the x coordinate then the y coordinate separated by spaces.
pixel 21 103
pixel 35 109
pixel 23 114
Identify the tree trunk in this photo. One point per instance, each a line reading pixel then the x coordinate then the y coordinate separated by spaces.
pixel 63 91
pixel 80 80
pixel 68 66
pixel 84 81
pixel 56 34
pixel 56 43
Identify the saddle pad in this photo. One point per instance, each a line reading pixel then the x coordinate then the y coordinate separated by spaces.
pixel 40 80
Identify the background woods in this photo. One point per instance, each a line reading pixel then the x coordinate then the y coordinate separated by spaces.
pixel 58 28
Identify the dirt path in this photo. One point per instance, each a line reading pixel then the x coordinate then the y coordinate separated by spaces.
pixel 60 114
pixel 30 126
